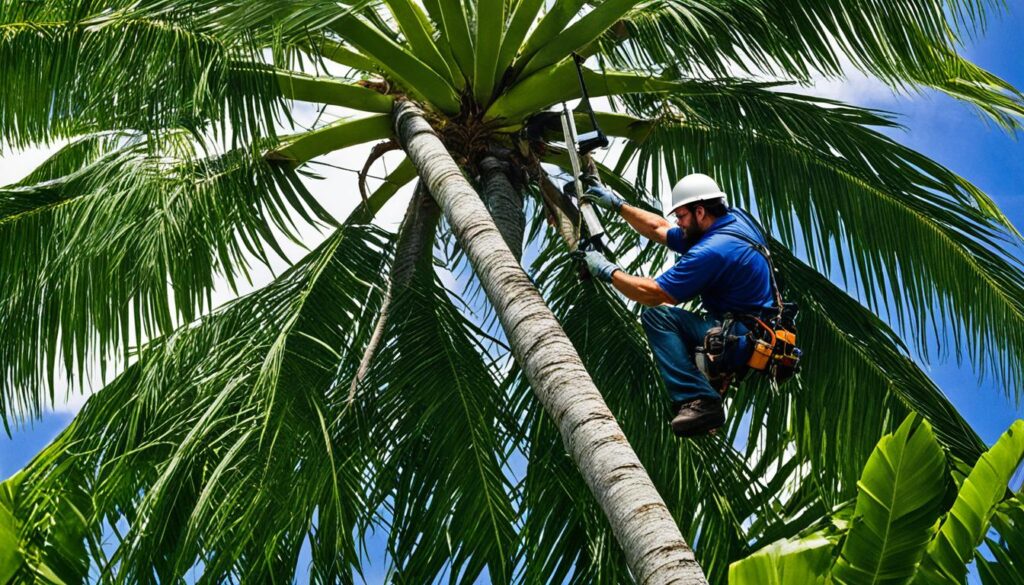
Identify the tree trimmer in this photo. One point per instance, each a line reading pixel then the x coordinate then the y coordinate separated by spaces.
pixel 579 149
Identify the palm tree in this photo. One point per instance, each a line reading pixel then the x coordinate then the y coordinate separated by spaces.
pixel 328 403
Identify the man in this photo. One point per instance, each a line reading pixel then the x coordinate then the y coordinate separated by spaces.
pixel 717 262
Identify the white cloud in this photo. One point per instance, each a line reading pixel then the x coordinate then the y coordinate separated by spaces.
pixel 853 88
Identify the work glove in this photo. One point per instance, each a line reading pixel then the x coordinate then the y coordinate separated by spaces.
pixel 601 196
pixel 597 265
pixel 595 193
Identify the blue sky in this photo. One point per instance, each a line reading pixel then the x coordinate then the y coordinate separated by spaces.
pixel 937 126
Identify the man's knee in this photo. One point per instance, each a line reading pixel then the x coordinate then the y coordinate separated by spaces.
pixel 656 318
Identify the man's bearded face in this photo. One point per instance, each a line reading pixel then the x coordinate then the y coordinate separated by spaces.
pixel 686 219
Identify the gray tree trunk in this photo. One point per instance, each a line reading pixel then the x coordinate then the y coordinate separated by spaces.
pixel 412 248
pixel 504 202
pixel 642 524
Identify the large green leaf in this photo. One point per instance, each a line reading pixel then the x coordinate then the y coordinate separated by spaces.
pixel 899 499
pixel 968 521
pixel 1005 566
pixel 43 536
pixel 787 562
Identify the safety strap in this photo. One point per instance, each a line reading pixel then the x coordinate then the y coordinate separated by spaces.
pixel 762 249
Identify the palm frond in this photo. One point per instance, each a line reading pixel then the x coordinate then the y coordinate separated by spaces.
pixel 117 241
pixel 907 44
pixel 67 74
pixel 224 446
pixel 862 390
pixel 1003 567
pixel 441 436
pixel 49 548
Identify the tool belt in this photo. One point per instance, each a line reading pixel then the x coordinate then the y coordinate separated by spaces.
pixel 775 353
pixel 742 343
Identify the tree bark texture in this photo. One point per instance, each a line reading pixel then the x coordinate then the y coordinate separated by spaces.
pixel 642 524
pixel 413 248
pixel 504 202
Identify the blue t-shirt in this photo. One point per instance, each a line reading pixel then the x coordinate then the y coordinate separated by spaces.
pixel 726 271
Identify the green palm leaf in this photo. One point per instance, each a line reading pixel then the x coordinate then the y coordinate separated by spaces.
pixel 904 43
pixel 47 548
pixel 126 246
pixel 225 440
pixel 441 474
pixel 877 377
pixel 804 560
pixel 897 513
pixel 1006 567
pixel 68 73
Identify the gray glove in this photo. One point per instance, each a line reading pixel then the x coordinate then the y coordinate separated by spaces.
pixel 598 266
pixel 604 197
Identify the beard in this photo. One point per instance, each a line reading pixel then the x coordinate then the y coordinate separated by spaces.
pixel 692 236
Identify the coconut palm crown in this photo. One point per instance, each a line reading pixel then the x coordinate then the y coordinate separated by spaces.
pixel 355 393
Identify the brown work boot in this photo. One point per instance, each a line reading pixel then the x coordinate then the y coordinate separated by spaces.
pixel 698 417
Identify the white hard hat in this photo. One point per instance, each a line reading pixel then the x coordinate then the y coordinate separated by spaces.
pixel 693 188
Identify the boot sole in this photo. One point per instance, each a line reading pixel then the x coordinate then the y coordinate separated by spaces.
pixel 701 426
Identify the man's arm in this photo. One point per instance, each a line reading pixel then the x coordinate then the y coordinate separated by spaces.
pixel 645 291
pixel 649 225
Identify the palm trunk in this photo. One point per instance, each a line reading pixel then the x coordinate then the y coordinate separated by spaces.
pixel 505 204
pixel 413 247
pixel 642 524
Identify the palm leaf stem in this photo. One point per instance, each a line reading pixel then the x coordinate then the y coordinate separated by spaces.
pixel 308 88
pixel 301 148
pixel 343 55
pixel 559 83
pixel 580 34
pixel 418 33
pixel 402 66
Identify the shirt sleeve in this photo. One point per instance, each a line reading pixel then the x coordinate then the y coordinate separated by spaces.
pixel 674 240
pixel 690 275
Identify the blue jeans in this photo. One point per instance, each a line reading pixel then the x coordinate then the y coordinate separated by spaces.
pixel 674 334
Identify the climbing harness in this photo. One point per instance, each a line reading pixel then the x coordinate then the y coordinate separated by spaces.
pixel 769 339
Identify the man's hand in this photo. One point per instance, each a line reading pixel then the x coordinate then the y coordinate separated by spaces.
pixel 598 266
pixel 600 195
